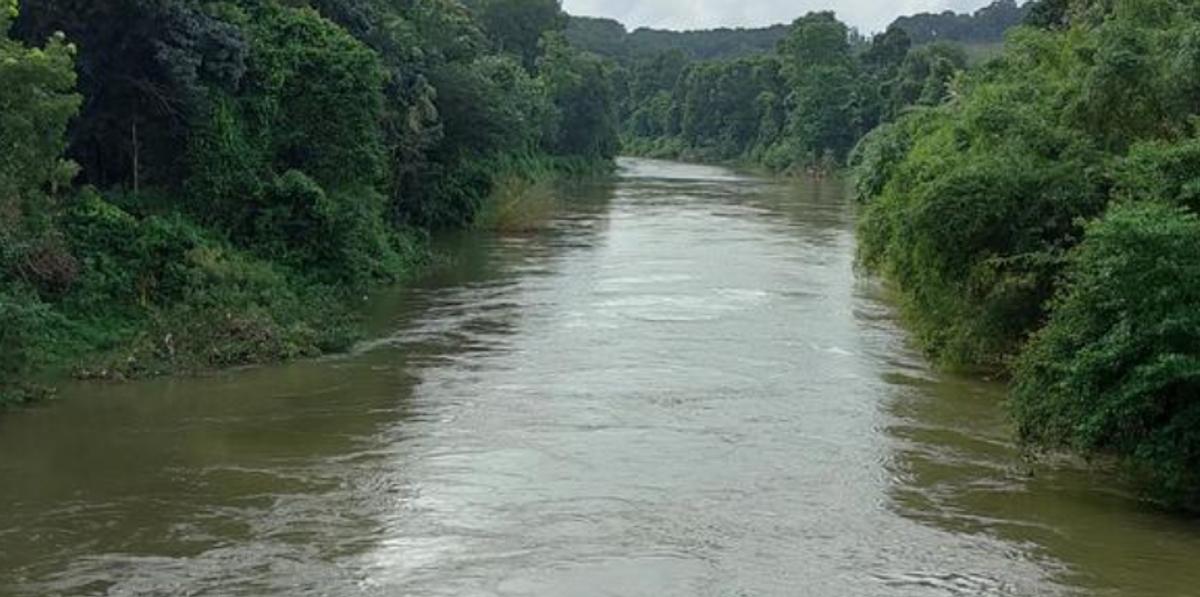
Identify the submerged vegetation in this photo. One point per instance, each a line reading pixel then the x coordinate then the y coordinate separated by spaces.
pixel 1043 222
pixel 221 179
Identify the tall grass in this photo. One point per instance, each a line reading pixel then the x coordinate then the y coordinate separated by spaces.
pixel 520 205
pixel 526 192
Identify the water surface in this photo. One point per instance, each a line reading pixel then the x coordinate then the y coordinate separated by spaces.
pixel 680 388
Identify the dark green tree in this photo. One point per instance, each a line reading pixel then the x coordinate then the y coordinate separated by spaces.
pixel 1116 370
pixel 581 89
pixel 37 100
pixel 517 26
pixel 819 67
pixel 145 67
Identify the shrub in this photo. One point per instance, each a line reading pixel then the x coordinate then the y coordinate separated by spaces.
pixel 23 320
pixel 1117 369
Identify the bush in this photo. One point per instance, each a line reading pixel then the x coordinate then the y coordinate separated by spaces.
pixel 1167 171
pixel 1117 369
pixel 970 213
pixel 23 321
pixel 126 261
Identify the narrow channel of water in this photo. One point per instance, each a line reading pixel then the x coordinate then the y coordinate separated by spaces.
pixel 681 388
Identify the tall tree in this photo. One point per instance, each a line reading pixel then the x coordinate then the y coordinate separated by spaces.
pixel 517 26
pixel 145 65
pixel 37 100
pixel 819 66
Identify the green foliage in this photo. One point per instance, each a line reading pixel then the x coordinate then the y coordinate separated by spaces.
pixel 1021 154
pixel 23 317
pixel 1048 14
pixel 988 24
pixel 37 100
pixel 36 103
pixel 802 108
pixel 145 66
pixel 253 164
pixel 970 209
pixel 580 87
pixel 194 301
pixel 975 210
pixel 1115 371
pixel 517 26
pixel 321 94
pixel 609 38
pixel 1162 170
pixel 289 165
pixel 519 205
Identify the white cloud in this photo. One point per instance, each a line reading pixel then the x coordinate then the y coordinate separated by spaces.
pixel 867 15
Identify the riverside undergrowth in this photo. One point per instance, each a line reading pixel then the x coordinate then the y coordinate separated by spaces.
pixel 1043 224
pixel 190 185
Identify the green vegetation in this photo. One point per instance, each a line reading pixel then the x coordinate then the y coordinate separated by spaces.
pixel 188 184
pixel 222 179
pixel 979 33
pixel 1117 368
pixel 1043 222
pixel 607 37
pixel 986 25
pixel 794 98
pixel 800 108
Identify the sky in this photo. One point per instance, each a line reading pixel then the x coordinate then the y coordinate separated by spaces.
pixel 867 15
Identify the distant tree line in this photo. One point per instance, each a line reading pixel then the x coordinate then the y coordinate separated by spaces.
pixel 610 38
pixel 802 105
pixel 986 25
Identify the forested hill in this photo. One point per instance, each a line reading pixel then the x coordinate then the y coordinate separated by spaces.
pixel 608 37
pixel 986 25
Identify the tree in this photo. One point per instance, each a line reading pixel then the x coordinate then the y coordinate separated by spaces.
pixel 986 25
pixel 517 26
pixel 37 100
pixel 1048 14
pixel 1116 371
pixel 290 164
pixel 820 70
pixel 145 66
pixel 581 89
pixel 888 49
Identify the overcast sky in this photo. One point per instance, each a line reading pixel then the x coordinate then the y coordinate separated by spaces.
pixel 867 15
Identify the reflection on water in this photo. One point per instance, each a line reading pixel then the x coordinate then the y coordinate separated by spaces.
pixel 680 388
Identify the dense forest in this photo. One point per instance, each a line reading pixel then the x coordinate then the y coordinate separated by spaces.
pixel 986 25
pixel 1043 222
pixel 607 37
pixel 802 106
pixel 189 184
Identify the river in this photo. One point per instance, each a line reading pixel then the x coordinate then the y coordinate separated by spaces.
pixel 680 388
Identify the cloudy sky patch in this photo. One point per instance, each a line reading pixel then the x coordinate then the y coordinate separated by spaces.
pixel 867 15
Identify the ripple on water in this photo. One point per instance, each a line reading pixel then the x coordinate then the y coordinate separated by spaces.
pixel 680 388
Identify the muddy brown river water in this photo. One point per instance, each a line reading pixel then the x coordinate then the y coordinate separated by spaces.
pixel 680 388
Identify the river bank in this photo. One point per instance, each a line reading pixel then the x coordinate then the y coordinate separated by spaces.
pixel 678 385
pixel 234 309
